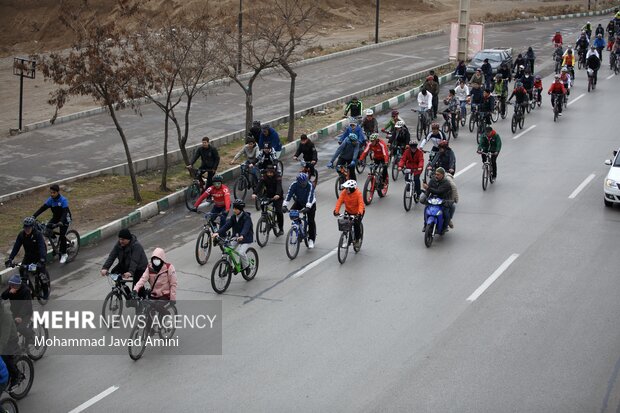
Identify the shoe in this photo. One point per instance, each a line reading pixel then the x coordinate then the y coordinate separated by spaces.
pixel 559 114
pixel 280 233
pixel 310 244
pixel 450 224
pixel 63 258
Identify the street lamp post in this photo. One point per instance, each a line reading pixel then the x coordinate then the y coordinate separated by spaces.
pixel 240 36
pixel 377 22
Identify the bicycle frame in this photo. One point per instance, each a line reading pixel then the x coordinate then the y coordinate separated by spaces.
pixel 229 253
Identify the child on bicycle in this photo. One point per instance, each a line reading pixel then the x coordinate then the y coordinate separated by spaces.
pixel 242 231
pixel 353 202
pixel 539 87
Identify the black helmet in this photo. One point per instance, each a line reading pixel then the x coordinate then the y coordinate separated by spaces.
pixel 270 168
pixel 29 222
pixel 218 178
pixel 239 204
pixel 256 123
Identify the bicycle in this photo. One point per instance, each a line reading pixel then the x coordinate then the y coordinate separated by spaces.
pixel 25 377
pixel 496 108
pixel 409 195
pixel 557 101
pixel 433 158
pixel 487 172
pixel 518 117
pixel 310 169
pixel 297 233
pixel 536 97
pixel 591 85
pixel 113 302
pixel 33 350
pixel 343 176
pixel 345 225
pixel 267 222
pixel 8 405
pixel 145 308
pixel 41 287
pixel 230 263
pixel 375 181
pixel 463 112
pixel 450 126
pixel 361 164
pixel 197 187
pixel 396 152
pixel 204 243
pixel 53 239
pixel 581 61
pixel 421 129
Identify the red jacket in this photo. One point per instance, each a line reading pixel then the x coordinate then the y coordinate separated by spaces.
pixel 557 87
pixel 538 84
pixel 557 38
pixel 414 161
pixel 379 151
pixel 221 196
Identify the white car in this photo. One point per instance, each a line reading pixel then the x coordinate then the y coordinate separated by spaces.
pixel 611 185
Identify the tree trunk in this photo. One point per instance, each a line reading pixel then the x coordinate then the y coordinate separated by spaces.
pixel 179 136
pixel 183 141
pixel 132 172
pixel 249 108
pixel 291 103
pixel 164 174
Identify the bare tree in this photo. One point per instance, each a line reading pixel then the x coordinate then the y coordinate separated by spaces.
pixel 290 26
pixel 100 64
pixel 257 54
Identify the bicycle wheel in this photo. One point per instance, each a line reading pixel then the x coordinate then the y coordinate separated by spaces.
pixel 428 235
pixel 36 351
pixel 395 170
pixel 361 238
pixel 292 243
pixel 589 83
pixel 360 166
pixel 221 276
pixel 337 186
pixel 555 112
pixel 491 179
pixel 495 114
pixel 240 189
pixel 418 130
pixel 25 368
pixel 280 167
pixel 521 122
pixel 191 195
pixel 382 192
pixel 138 337
pixel 43 288
pixel 445 127
pixel 408 196
pixel 513 124
pixel 472 123
pixel 73 244
pixel 369 189
pixel 249 273
pixel 8 406
pixel 485 176
pixel 314 178
pixel 262 231
pixel 527 107
pixel 463 118
pixel 343 247
pixel 166 331
pixel 579 64
pixel 112 306
pixel 204 243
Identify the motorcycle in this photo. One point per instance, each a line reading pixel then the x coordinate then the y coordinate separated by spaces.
pixel 433 219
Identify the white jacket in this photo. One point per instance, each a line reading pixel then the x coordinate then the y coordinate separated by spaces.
pixel 425 102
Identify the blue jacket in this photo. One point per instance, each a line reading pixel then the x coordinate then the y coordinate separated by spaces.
pixel 60 209
pixel 347 151
pixel 273 139
pixel 4 372
pixel 302 195
pixel 599 43
pixel 241 226
pixel 361 137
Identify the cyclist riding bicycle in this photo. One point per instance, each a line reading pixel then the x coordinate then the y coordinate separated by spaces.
pixel 530 58
pixel 35 250
pixel 353 202
pixel 520 95
pixel 270 186
pixel 425 103
pixel 435 136
pixel 528 83
pixel 566 79
pixel 461 70
pixel 475 97
pixel 60 215
pixel 557 90
pixel 347 154
pixel 162 278
pixel 581 46
pixel 492 143
pixel 132 261
pixel 255 131
pixel 486 106
pixel 370 124
pixel 611 32
pixel 242 231
pixel 501 90
pixel 302 193
pixel 538 86
pixel 400 137
pixel 389 126
pixel 270 137
pixel 452 109
pixel 593 63
pixel 20 299
pixel 355 129
pixel 380 154
pixel 462 93
pixel 9 346
pixel 587 28
pixel 446 157
pixel 267 156
pixel 209 159
pixel 355 107
pixel 250 151
pixel 307 149
pixel 557 39
pixel 599 44
pixel 413 159
pixel 220 194
pixel 433 89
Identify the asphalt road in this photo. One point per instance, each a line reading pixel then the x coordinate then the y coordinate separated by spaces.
pixel 400 327
pixel 92 143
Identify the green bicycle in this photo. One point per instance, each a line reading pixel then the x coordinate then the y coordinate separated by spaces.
pixel 230 264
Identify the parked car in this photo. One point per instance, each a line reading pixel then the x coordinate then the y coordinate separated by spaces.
pixel 496 58
pixel 611 185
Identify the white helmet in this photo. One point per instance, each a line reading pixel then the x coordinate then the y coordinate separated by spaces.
pixel 350 184
pixel 399 124
pixel 369 112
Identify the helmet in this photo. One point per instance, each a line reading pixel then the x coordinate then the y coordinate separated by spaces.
pixel 350 184
pixel 302 177
pixel 518 84
pixel 239 204
pixel 352 121
pixel 435 125
pixel 217 178
pixel 557 77
pixel 498 76
pixel 394 113
pixel 521 67
pixel 15 280
pixel 265 126
pixel 266 146
pixel 256 123
pixel 488 129
pixel 374 136
pixel 369 112
pixel 564 69
pixel 352 137
pixel 443 144
pixel 29 222
pixel 537 77
pixel 413 144
pixel 399 124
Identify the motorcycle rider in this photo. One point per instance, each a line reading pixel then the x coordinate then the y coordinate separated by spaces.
pixel 441 188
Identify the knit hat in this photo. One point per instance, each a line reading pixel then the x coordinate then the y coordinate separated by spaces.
pixel 124 234
pixel 15 280
pixel 440 170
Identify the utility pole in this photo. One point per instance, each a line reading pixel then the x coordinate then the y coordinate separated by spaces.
pixel 461 53
pixel 377 23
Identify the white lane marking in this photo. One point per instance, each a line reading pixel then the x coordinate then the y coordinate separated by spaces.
pixel 610 76
pixel 581 186
pixel 94 400
pixel 524 132
pixel 487 283
pixel 576 99
pixel 314 264
pixel 467 168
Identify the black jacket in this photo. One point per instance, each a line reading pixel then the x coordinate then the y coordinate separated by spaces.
pixel 35 249
pixel 442 188
pixel 270 186
pixel 210 158
pixel 21 302
pixel 447 160
pixel 241 226
pixel 308 151
pixel 487 104
pixel 131 258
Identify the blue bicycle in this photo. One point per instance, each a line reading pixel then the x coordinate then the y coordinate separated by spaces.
pixel 297 232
